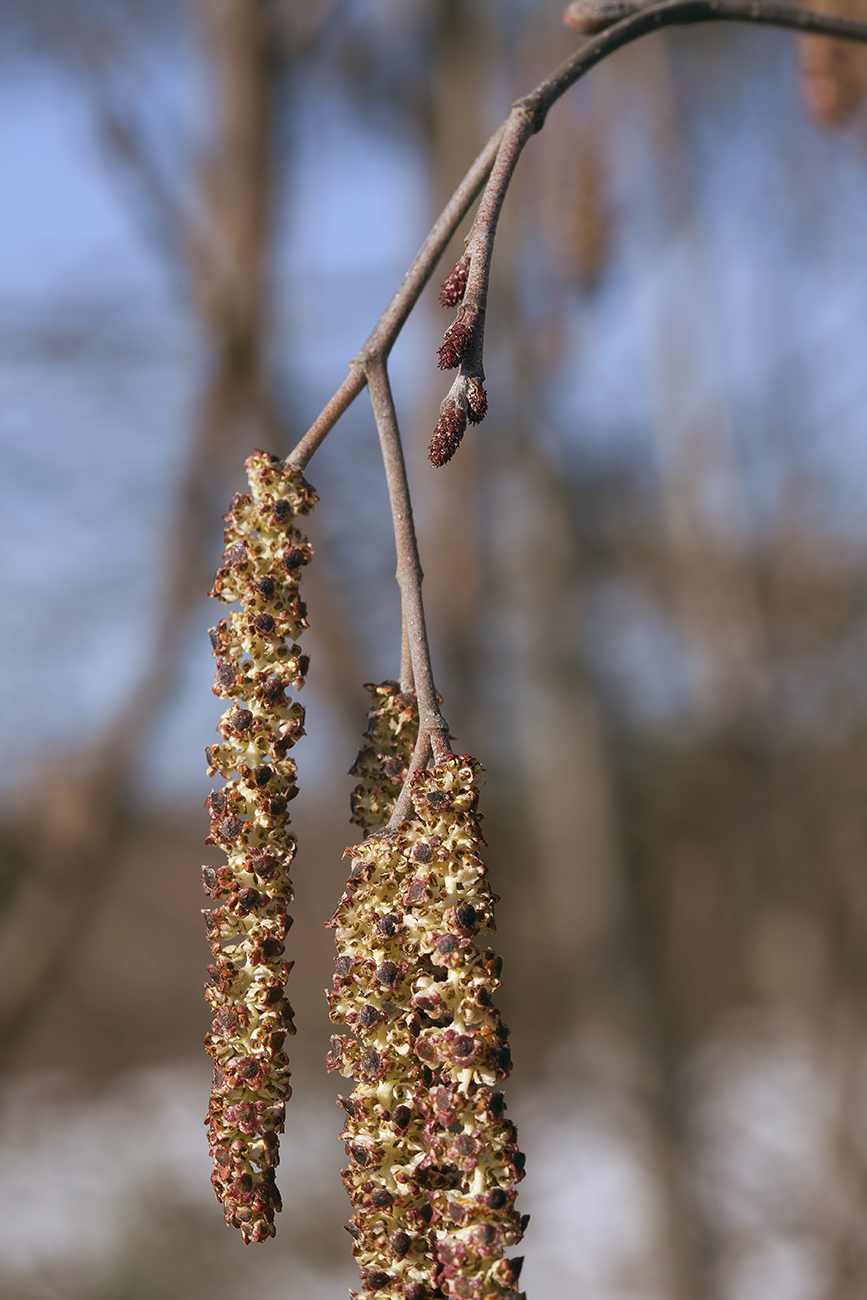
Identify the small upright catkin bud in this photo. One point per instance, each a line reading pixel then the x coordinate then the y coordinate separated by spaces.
pixel 257 661
pixel 384 758
pixel 455 283
pixel 434 1163
pixel 458 339
pixel 448 432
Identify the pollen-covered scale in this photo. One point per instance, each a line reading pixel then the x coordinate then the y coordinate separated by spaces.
pixel 257 662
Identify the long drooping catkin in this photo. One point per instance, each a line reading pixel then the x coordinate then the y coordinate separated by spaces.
pixel 433 1161
pixel 257 661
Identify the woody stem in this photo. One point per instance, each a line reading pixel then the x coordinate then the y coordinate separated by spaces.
pixel 409 572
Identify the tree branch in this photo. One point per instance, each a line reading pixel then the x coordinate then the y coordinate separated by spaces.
pixel 324 423
pixel 393 319
pixel 535 107
pixel 674 13
pixel 463 342
pixel 409 572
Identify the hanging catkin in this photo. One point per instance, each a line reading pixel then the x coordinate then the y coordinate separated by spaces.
pixel 257 661
pixel 433 1161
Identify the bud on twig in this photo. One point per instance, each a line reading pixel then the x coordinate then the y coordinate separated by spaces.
pixel 458 339
pixel 592 16
pixel 465 403
pixel 448 431
pixel 433 1162
pixel 464 341
pixel 257 661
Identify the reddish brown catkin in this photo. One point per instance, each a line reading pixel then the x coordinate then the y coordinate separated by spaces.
pixel 384 758
pixel 434 1163
pixel 257 661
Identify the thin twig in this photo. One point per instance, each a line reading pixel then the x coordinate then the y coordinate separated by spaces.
pixel 420 756
pixel 409 572
pixel 517 129
pixel 464 341
pixel 674 13
pixel 324 423
pixel 499 157
pixel 536 106
pixel 393 319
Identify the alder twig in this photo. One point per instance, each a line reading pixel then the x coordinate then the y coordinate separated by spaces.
pixel 533 109
pixel 674 13
pixel 469 281
pixel 464 340
pixel 325 422
pixel 393 319
pixel 409 572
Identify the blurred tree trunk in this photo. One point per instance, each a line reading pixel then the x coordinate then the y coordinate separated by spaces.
pixel 69 826
pixel 704 511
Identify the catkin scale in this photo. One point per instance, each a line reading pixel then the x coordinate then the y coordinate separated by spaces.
pixel 257 662
pixel 433 1161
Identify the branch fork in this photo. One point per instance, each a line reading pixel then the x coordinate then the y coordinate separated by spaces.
pixel 613 24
